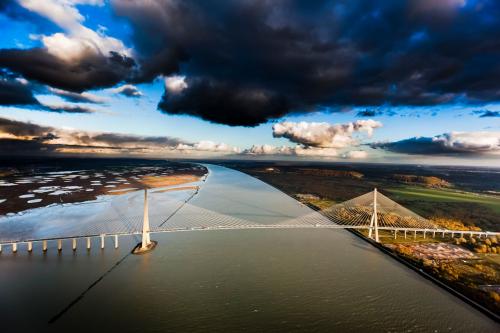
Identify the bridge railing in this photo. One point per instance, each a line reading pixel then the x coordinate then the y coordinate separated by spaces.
pixel 89 239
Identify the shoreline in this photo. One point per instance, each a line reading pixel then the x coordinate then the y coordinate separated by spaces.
pixel 422 273
pixel 429 277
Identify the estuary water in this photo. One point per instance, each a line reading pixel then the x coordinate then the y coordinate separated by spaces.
pixel 300 280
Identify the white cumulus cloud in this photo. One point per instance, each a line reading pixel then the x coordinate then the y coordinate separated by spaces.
pixel 324 135
pixel 77 40
pixel 290 151
pixel 128 90
pixel 355 154
pixel 175 84
pixel 477 142
pixel 207 146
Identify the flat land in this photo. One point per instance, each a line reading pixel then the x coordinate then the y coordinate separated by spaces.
pixel 444 195
pixel 468 197
pixel 26 187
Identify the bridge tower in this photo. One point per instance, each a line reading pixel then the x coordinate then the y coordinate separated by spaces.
pixel 146 239
pixel 146 244
pixel 374 219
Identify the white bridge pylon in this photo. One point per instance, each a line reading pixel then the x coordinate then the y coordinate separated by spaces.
pixel 374 219
pixel 374 211
pixel 146 239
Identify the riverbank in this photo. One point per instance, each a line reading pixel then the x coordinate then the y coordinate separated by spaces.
pixel 469 295
pixel 264 280
pixel 455 289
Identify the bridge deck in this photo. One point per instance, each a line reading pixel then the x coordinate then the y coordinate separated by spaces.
pixel 184 211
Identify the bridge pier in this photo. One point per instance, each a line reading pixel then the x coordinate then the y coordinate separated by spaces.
pixel 74 244
pixel 424 233
pixel 0 248
pixel 405 233
pixel 395 234
pixel 59 245
pixel 443 235
pixel 14 247
pixel 102 241
pixel 116 241
pixel 415 234
pixel 44 246
pixel 30 247
pixel 88 243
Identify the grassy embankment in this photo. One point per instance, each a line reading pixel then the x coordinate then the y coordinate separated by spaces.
pixel 444 195
pixel 473 209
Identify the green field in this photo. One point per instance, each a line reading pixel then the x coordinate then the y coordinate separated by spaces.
pixel 441 195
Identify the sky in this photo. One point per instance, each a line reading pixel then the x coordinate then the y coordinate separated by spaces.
pixel 388 81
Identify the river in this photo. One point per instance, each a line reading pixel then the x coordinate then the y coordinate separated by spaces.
pixel 295 280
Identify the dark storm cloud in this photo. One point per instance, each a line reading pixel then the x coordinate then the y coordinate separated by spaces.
pixel 15 92
pixel 17 137
pixel 369 113
pixel 113 139
pixel 77 97
pixel 22 129
pixel 13 147
pixel 487 114
pixel 324 53
pixel 66 108
pixel 417 145
pixel 453 143
pixel 225 103
pixel 90 72
pixel 247 62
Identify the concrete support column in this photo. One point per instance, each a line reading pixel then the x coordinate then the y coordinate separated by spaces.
pixel 74 244
pixel 424 233
pixel 433 234
pixel 0 248
pixel 405 233
pixel 375 215
pixel 461 235
pixel 452 234
pixel 102 241
pixel 30 246
pixel 59 245
pixel 443 235
pixel 146 240
pixel 88 243
pixel 116 241
pixel 395 234
pixel 14 247
pixel 370 229
pixel 415 234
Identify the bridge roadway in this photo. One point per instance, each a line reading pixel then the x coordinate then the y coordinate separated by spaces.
pixel 232 280
pixel 114 217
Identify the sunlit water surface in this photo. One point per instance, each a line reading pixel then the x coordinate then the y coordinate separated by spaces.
pixel 250 280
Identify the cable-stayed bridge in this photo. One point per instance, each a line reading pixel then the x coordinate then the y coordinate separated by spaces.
pixel 372 211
